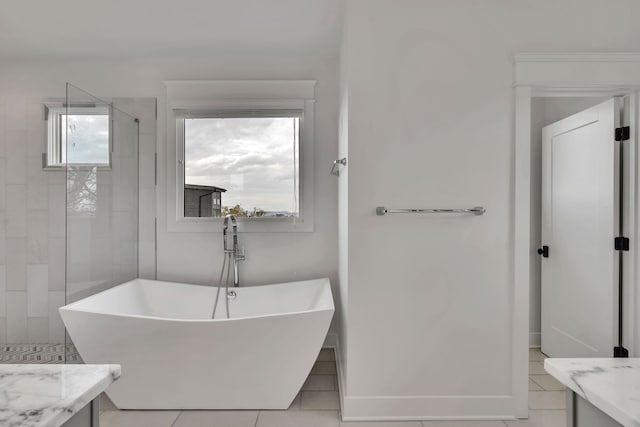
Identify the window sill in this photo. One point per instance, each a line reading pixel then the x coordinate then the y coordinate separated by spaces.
pixel 75 168
pixel 245 225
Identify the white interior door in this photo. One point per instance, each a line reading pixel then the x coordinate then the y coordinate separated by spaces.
pixel 580 217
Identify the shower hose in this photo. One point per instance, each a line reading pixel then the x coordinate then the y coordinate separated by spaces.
pixel 225 266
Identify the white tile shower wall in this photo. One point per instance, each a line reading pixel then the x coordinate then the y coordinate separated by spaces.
pixel 56 328
pixel 3 292
pixel 32 221
pixel 37 291
pixel 31 213
pixel 37 329
pixel 16 316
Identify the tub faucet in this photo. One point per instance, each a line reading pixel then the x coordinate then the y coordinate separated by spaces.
pixel 235 254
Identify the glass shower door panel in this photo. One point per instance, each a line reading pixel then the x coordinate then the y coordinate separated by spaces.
pixel 100 156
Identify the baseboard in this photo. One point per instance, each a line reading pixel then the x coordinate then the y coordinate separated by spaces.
pixel 408 408
pixel 535 339
pixel 331 341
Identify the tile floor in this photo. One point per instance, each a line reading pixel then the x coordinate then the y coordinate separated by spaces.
pixel 317 405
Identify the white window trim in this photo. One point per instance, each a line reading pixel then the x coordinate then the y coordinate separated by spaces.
pixel 241 95
pixel 53 142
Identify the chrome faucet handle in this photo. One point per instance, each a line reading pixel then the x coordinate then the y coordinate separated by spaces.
pixel 240 254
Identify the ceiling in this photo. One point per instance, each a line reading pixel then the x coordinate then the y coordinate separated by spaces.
pixel 128 28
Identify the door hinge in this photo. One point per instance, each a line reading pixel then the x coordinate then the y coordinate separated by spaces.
pixel 621 243
pixel 623 133
pixel 620 352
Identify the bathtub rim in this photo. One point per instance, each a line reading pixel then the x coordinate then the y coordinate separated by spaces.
pixel 330 307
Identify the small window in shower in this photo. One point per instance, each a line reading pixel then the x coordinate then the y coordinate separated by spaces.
pixel 244 163
pixel 78 135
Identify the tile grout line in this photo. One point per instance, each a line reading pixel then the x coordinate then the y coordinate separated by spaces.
pixel 539 385
pixel 531 379
pixel 176 420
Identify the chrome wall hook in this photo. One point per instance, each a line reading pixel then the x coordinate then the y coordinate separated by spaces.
pixel 335 169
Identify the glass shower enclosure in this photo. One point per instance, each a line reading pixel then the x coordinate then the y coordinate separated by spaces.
pixel 100 155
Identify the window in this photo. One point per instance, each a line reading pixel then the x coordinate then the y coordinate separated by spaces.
pixel 244 163
pixel 77 135
pixel 243 148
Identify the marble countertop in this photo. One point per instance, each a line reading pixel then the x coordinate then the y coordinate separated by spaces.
pixel 611 385
pixel 48 395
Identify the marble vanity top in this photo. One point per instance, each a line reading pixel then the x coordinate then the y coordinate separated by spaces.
pixel 611 385
pixel 48 395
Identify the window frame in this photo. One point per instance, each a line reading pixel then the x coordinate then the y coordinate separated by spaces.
pixel 182 115
pixel 53 147
pixel 204 98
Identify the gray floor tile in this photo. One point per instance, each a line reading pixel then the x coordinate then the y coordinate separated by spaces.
pixel 547 400
pixel 295 405
pixel 547 382
pixel 533 386
pixel 298 419
pixel 535 355
pixel 463 424
pixel 326 355
pixel 536 368
pixel 216 419
pixel 138 418
pixel 381 424
pixel 321 400
pixel 320 383
pixel 324 368
pixel 555 418
pixel 106 404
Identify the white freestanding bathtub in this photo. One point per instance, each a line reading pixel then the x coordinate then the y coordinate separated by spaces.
pixel 174 356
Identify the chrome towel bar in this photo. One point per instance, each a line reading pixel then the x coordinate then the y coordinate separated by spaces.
pixel 476 210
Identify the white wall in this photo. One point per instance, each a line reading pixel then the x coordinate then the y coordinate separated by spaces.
pixel 430 108
pixel 544 111
pixel 196 258
pixel 343 216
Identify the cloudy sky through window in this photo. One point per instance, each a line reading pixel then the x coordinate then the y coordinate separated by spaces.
pixel 86 137
pixel 252 158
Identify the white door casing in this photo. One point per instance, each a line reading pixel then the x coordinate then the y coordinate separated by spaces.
pixel 568 74
pixel 580 218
